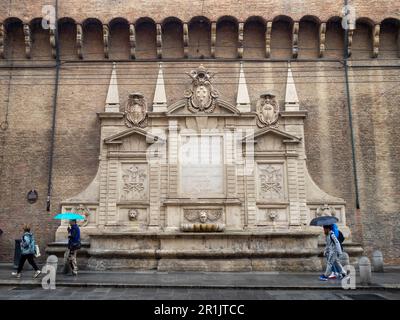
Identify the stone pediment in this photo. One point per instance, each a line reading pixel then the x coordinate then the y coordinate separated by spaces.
pixel 119 137
pixel 286 137
pixel 223 106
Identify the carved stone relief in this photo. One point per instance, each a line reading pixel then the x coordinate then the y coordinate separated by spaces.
pixel 132 40
pixel 202 215
pixel 136 110
pixel 270 181
pixel 106 40
pixel 2 40
pixel 83 211
pixel 267 109
pixel 28 40
pixel 133 214
pixel 201 96
pixel 325 210
pixel 203 220
pixel 134 182
pixel 79 40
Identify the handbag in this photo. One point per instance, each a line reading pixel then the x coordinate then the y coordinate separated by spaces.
pixel 37 251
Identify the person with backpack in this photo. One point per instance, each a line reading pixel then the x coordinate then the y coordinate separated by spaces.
pixel 27 253
pixel 339 235
pixel 74 244
pixel 332 252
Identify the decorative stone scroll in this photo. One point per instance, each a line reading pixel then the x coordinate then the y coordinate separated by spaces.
pixel 136 111
pixel 2 40
pixel 268 39
pixel 201 97
pixel 52 34
pixel 295 40
pixel 322 38
pixel 106 40
pixel 213 38
pixel 185 40
pixel 267 109
pixel 349 42
pixel 375 38
pixel 240 40
pixel 132 40
pixel 28 40
pixel 159 41
pixel 79 40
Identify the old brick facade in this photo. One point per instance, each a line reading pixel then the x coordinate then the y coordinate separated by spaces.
pixel 137 34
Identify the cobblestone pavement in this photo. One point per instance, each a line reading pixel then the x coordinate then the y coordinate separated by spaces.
pixel 61 293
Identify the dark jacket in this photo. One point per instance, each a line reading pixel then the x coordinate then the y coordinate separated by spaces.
pixel 74 237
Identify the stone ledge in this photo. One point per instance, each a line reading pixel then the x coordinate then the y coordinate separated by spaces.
pixel 270 234
pixel 219 254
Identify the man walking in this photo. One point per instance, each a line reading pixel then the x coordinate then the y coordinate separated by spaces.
pixel 74 244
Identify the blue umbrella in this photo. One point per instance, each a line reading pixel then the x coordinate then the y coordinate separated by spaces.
pixel 69 216
pixel 323 221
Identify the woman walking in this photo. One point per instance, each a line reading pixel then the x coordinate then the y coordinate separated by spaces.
pixel 27 253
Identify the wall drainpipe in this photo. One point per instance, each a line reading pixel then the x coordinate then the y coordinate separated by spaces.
pixel 357 215
pixel 53 125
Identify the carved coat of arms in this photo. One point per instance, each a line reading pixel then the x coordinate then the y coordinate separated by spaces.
pixel 201 96
pixel 267 110
pixel 136 110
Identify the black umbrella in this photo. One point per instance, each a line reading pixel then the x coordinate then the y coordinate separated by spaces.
pixel 323 221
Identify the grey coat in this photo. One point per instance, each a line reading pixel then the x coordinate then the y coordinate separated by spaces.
pixel 332 245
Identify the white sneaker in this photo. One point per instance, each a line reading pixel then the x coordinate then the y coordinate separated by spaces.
pixel 332 276
pixel 37 274
pixel 16 274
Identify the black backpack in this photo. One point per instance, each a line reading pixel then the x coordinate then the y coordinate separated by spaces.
pixel 341 237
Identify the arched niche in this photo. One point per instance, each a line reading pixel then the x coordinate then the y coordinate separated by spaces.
pixel 281 38
pixel 362 40
pixel 199 37
pixel 67 39
pixel 119 39
pixel 93 45
pixel 254 38
pixel 14 42
pixel 172 38
pixel 309 38
pixel 226 45
pixel 388 42
pixel 41 48
pixel 334 42
pixel 146 39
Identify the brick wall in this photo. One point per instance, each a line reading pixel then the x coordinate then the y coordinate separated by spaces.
pixel 27 94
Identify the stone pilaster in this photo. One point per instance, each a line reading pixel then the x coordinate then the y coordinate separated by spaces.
pixel 155 191
pixel 112 181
